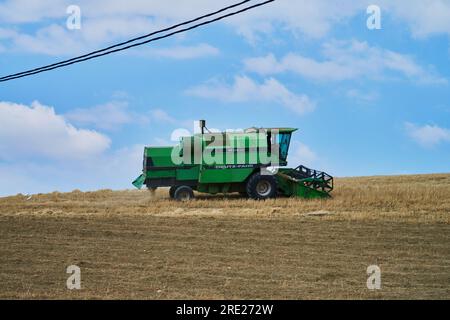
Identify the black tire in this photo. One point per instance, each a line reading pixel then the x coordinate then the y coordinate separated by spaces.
pixel 172 191
pixel 183 193
pixel 260 187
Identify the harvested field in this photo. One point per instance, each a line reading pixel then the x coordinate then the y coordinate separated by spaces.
pixel 131 244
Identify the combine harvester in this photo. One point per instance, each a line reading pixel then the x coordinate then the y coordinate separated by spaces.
pixel 227 162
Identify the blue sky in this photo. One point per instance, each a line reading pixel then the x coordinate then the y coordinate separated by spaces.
pixel 367 102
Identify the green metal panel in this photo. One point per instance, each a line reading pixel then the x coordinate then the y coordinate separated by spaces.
pixel 224 175
pixel 180 173
pixel 155 174
pixel 214 188
pixel 188 174
pixel 161 156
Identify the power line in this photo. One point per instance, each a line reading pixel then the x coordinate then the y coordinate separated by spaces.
pixel 129 41
pixel 100 53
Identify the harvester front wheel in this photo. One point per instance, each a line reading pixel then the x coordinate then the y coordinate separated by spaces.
pixel 183 193
pixel 260 187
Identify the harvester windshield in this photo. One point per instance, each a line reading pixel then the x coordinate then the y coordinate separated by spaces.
pixel 284 141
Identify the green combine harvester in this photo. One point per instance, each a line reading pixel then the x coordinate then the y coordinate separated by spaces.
pixel 251 162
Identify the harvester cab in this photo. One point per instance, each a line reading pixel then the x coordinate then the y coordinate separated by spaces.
pixel 251 162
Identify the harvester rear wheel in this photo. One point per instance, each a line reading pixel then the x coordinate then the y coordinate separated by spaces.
pixel 183 193
pixel 260 187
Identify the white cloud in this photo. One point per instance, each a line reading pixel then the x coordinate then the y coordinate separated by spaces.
pixel 160 115
pixel 110 170
pixel 27 11
pixel 37 131
pixel 41 152
pixel 107 116
pixel 313 19
pixel 301 154
pixel 177 134
pixel 51 40
pixel 7 33
pixel 56 40
pixel 162 142
pixel 306 67
pixel 181 52
pixel 103 29
pixel 101 24
pixel 115 114
pixel 245 89
pixel 428 135
pixel 364 97
pixel 347 60
pixel 105 22
pixel 424 18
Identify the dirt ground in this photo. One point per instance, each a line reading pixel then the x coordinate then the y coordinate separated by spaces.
pixel 135 245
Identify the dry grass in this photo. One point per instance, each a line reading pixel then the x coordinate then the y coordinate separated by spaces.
pixel 416 198
pixel 130 244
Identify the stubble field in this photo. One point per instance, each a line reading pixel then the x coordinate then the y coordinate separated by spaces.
pixel 134 245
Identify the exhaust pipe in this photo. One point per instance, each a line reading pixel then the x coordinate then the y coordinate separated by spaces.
pixel 202 124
